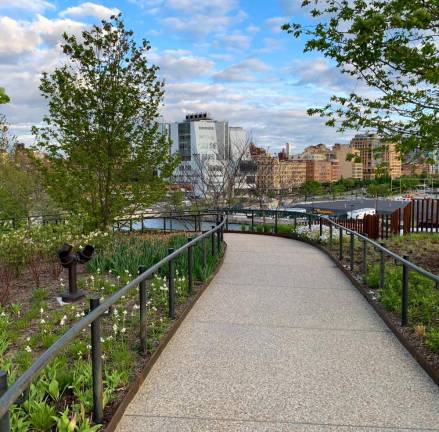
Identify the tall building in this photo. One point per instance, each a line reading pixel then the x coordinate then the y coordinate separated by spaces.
pixel 349 161
pixel 203 144
pixel 278 174
pixel 322 171
pixel 377 156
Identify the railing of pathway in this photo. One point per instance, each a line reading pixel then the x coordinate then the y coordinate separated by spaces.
pixel 11 395
pixel 407 266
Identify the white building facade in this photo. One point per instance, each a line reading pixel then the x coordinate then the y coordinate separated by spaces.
pixel 203 145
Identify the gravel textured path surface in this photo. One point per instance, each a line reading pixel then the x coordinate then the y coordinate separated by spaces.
pixel 282 341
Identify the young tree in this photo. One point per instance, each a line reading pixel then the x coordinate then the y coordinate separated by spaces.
pixel 392 47
pixel 106 156
pixel 4 98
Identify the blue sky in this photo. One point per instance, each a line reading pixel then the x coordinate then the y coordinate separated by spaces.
pixel 227 57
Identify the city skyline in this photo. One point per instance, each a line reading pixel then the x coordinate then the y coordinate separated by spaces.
pixel 227 57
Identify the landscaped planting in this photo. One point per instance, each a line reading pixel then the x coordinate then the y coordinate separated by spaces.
pixel 61 397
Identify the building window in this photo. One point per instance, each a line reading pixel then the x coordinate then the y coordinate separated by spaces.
pixel 184 141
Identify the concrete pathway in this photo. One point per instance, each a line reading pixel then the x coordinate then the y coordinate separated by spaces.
pixel 281 341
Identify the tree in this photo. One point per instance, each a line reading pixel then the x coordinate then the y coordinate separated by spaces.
pixel 311 187
pixel 377 190
pixel 217 177
pixel 4 98
pixel 391 46
pixel 106 156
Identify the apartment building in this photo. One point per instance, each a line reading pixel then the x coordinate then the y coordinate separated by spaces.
pixel 349 160
pixel 322 171
pixel 377 156
pixel 278 175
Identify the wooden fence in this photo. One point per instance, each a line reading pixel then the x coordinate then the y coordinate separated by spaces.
pixel 420 215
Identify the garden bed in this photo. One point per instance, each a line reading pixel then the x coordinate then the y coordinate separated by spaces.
pixel 31 319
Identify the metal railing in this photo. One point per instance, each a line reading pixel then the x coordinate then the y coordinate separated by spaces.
pixel 9 396
pixel 136 222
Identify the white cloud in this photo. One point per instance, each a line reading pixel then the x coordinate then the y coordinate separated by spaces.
pixel 177 65
pixel 90 9
pixel 241 72
pixel 21 37
pixel 16 37
pixel 320 73
pixel 26 5
pixel 235 41
pixel 253 29
pixel 275 23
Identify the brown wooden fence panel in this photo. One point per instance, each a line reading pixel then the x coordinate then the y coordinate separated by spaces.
pixel 395 222
pixel 407 221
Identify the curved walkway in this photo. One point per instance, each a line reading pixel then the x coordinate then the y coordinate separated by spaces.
pixel 281 341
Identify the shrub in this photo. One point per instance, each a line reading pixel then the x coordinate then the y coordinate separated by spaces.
pixel 432 339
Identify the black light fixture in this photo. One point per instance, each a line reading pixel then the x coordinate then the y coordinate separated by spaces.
pixel 69 261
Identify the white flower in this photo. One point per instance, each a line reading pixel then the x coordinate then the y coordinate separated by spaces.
pixel 41 311
pixel 28 349
pixel 136 306
pixel 123 330
pixel 125 312
pixel 115 328
pixel 42 321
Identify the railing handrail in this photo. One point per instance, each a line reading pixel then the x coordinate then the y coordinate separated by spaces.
pixel 385 250
pixel 377 245
pixel 22 383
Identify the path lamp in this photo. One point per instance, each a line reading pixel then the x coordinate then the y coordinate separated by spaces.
pixel 69 261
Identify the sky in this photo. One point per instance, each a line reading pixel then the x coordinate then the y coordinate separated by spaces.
pixel 227 57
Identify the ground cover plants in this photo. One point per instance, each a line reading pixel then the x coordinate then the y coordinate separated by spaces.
pixel 31 318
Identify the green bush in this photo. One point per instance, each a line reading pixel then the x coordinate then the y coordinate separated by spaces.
pixel 432 339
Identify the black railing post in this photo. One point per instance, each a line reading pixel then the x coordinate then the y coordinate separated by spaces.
pixel 212 238
pixel 143 224
pixel 330 234
pixel 295 222
pixel 190 266
pixel 218 240
pixel 275 221
pixel 340 244
pixel 309 222
pixel 321 226
pixel 227 220
pixel 382 267
pixel 171 287
pixel 253 220
pixel 96 362
pixel 131 224
pixel 364 257
pixel 405 293
pixel 142 306
pixel 203 251
pixel 352 252
pixel 4 421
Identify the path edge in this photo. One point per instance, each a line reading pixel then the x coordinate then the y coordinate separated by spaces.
pixel 137 383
